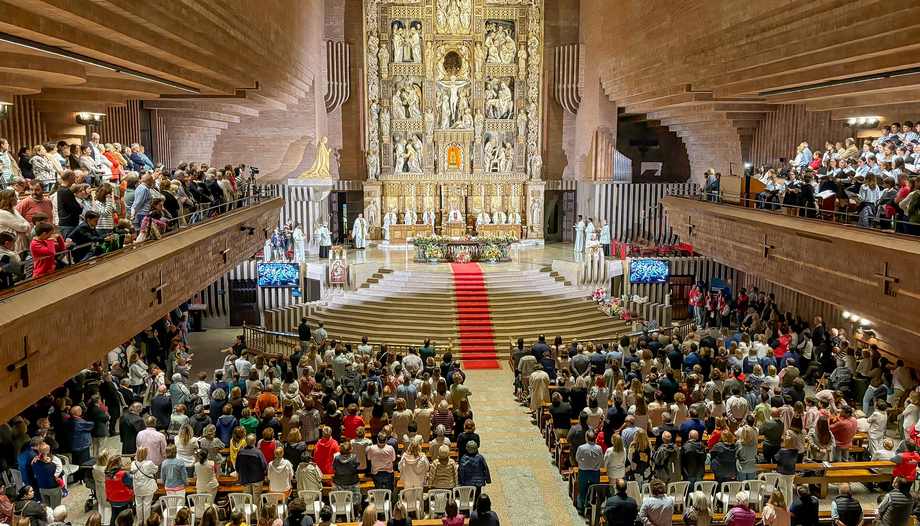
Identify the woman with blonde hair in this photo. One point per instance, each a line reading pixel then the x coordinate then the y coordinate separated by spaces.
pixel 186 445
pixel 281 471
pixel 640 457
pixel 910 414
pixel 746 453
pixel 442 474
pixel 679 410
pixel 402 416
pixel 699 512
pixel 144 474
pixel 776 512
pixel 12 222
pixel 413 466
pixel 615 458
pixel 369 517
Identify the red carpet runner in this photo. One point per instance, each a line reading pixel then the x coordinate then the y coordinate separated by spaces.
pixel 477 343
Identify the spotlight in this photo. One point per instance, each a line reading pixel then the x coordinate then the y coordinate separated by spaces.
pixel 851 122
pixel 846 314
pixel 854 317
pixel 747 165
pixel 862 120
pixel 90 119
pixel 864 322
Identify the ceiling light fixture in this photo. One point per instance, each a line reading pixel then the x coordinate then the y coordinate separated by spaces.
pixel 70 55
pixel 841 82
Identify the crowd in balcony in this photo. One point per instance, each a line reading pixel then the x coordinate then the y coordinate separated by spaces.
pixel 66 203
pixel 875 185
pixel 331 431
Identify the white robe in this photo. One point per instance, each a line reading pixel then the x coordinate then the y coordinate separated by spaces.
pixel 428 218
pixel 300 253
pixel 589 229
pixel 483 219
pixel 514 218
pixel 455 215
pixel 605 235
pixel 323 237
pixel 267 251
pixel 359 231
pixel 580 237
pixel 409 218
pixel 388 219
pixel 499 218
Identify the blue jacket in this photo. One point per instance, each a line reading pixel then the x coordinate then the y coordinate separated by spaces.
pixel 474 471
pixel 80 433
pixel 44 475
pixel 691 425
pixel 225 426
pixel 142 196
pixel 250 465
pixel 173 473
pixel 139 162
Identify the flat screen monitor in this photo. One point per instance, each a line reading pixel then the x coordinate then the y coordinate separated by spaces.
pixel 648 271
pixel 277 275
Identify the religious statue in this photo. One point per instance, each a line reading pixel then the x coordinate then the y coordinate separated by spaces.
pixel 385 123
pixel 466 122
pixel 399 105
pixel 508 50
pixel 480 58
pixel 452 88
pixel 373 165
pixel 429 58
pixel 535 209
pixel 522 123
pixel 444 107
pixel 453 16
pixel 499 101
pixel 414 156
pixel 415 44
pixel 399 45
pixel 384 57
pixel 429 123
pixel 533 43
pixel 399 156
pixel 320 168
pixel 412 101
pixel 536 165
pixel 506 160
pixel 478 121
pixel 371 210
pixel 522 62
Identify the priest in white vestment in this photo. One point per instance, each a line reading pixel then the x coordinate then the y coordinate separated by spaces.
pixel 267 250
pixel 605 237
pixel 454 216
pixel 483 218
pixel 514 218
pixel 388 219
pixel 580 235
pixel 359 231
pixel 589 228
pixel 409 218
pixel 324 238
pixel 499 218
pixel 300 249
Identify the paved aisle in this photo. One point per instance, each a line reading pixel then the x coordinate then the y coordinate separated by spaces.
pixel 526 488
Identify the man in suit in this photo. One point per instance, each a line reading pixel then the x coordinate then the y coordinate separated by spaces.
pixel 129 425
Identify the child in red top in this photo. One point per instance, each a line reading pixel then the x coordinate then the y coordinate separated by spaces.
pixel 44 246
pixel 352 422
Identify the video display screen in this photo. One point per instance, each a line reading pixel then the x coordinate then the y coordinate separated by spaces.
pixel 648 271
pixel 279 275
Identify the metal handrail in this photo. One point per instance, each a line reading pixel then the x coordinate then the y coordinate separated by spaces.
pixel 283 343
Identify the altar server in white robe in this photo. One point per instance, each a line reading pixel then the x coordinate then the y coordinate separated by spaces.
pixel 267 250
pixel 409 218
pixel 324 238
pixel 454 216
pixel 499 218
pixel 514 218
pixel 580 235
pixel 605 237
pixel 428 218
pixel 359 231
pixel 388 219
pixel 300 249
pixel 482 219
pixel 589 228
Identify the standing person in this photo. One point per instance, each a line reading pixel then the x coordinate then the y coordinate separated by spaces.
pixel 118 487
pixel 413 466
pixel 144 476
pixel 775 513
pixel 740 514
pixel 174 473
pixel 658 509
pixel 325 451
pixel 620 509
pixel 80 431
pixel 381 457
pixel 12 222
pixel 699 512
pixel 693 459
pixel 345 476
pixel 359 232
pixel 251 467
pixel 140 207
pixel 804 510
pixel 897 505
pixel 206 474
pixel 605 238
pixel 43 167
pixel 8 169
pixel 483 514
pixel 845 510
pixel 153 440
pixel 843 427
pixel 280 473
pixel 324 239
pixel 473 470
pixel 300 250
pixel 590 458
pixel 579 234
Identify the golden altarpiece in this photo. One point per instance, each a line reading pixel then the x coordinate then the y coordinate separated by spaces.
pixel 453 101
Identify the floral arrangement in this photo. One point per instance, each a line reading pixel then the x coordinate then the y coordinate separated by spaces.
pixel 428 240
pixel 492 253
pixel 434 252
pixel 599 294
pixel 611 306
pixel 463 257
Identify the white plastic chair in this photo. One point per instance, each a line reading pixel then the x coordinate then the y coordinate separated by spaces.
pixel 243 502
pixel 437 502
pixel 278 501
pixel 708 487
pixel 466 499
pixel 313 500
pixel 770 483
pixel 380 498
pixel 632 489
pixel 68 468
pixel 343 503
pixel 413 498
pixel 726 496
pixel 645 491
pixel 679 491
pixel 171 505
pixel 198 503
pixel 755 493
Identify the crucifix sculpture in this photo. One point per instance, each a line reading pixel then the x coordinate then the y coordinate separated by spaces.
pixel 22 365
pixel 158 290
pixel 887 281
pixel 766 247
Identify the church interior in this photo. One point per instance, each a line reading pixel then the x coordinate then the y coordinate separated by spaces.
pixel 459 262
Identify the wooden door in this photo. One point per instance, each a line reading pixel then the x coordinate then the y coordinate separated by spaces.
pixel 568 216
pixel 679 288
pixel 244 302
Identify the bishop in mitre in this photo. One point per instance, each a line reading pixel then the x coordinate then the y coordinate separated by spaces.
pixel 320 168
pixel 409 218
pixel 388 219
pixel 499 218
pixel 359 231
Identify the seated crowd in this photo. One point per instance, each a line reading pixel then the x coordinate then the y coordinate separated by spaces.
pixel 82 201
pixel 330 430
pixel 668 414
pixel 876 185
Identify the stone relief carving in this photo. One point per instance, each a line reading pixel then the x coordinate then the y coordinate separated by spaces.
pixel 454 16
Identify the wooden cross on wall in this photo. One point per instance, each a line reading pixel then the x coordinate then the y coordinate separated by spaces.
pixel 22 365
pixel 887 281
pixel 225 251
pixel 158 290
pixel 766 247
pixel 690 226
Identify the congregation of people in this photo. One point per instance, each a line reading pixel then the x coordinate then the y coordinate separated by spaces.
pixel 392 435
pixel 63 204
pixel 748 394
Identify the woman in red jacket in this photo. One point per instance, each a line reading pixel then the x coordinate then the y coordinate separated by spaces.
pixel 45 245
pixel 325 450
pixel 118 487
